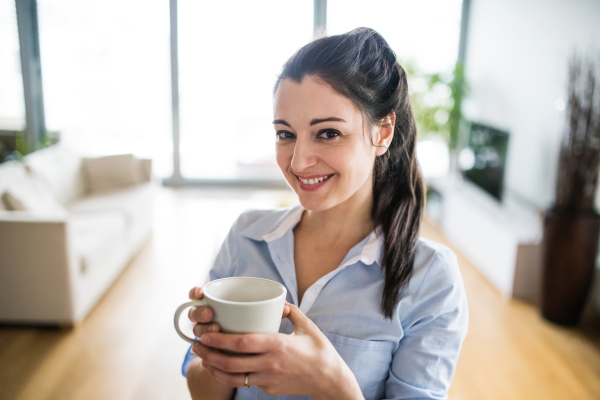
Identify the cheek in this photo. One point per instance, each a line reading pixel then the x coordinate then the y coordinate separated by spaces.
pixel 283 156
pixel 354 165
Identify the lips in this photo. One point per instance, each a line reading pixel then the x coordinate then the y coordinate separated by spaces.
pixel 313 182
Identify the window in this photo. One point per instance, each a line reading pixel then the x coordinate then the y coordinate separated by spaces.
pixel 106 76
pixel 106 72
pixel 12 105
pixel 230 53
pixel 425 31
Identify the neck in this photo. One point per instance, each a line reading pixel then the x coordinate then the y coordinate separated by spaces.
pixel 347 223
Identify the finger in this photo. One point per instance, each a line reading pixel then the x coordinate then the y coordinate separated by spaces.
pixel 196 293
pixel 197 348
pixel 233 363
pixel 201 315
pixel 244 343
pixel 231 380
pixel 201 329
pixel 297 317
pixel 286 311
pixel 259 379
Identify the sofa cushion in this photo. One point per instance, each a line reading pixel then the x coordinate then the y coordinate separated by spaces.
pixel 33 196
pixel 113 171
pixel 60 169
pixel 11 172
pixel 131 202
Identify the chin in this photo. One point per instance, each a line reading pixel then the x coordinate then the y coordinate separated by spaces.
pixel 312 205
pixel 312 202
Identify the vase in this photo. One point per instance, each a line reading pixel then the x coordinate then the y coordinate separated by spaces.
pixel 569 248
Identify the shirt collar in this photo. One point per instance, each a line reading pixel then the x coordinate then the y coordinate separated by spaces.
pixel 371 252
pixel 269 228
pixel 288 223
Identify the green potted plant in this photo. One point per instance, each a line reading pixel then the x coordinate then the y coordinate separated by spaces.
pixel 572 225
pixel 436 100
pixel 458 88
pixel 24 147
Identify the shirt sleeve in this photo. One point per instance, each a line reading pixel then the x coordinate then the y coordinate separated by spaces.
pixel 189 356
pixel 224 262
pixel 222 267
pixel 423 365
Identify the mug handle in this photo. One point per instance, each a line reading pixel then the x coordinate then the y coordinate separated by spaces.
pixel 196 303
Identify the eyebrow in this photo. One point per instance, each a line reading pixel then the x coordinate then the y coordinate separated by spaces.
pixel 280 121
pixel 313 122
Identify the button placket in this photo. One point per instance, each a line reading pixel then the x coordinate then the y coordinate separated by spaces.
pixel 311 295
pixel 276 248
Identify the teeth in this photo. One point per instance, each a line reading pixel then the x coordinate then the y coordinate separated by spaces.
pixel 313 181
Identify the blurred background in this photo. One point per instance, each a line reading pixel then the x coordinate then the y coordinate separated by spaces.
pixel 133 133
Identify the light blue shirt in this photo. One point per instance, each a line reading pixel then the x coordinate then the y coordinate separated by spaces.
pixel 411 356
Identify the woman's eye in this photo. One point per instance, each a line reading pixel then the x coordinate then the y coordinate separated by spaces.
pixel 328 134
pixel 282 135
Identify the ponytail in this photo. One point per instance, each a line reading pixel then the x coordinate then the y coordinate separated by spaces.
pixel 399 200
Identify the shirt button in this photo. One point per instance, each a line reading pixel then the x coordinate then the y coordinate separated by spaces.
pixel 315 289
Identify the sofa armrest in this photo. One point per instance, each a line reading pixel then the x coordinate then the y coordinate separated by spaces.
pixel 35 278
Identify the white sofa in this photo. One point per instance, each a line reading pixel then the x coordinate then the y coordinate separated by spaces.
pixel 68 227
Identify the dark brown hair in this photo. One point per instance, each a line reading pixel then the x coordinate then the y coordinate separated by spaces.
pixel 361 66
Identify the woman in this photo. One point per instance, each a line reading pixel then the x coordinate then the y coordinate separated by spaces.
pixel 373 311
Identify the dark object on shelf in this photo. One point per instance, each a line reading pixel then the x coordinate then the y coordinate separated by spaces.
pixel 487 153
pixel 572 226
pixel 569 252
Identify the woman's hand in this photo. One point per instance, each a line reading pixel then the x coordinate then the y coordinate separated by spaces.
pixel 303 363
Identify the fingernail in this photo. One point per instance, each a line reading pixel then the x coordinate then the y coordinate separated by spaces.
pixel 212 328
pixel 205 314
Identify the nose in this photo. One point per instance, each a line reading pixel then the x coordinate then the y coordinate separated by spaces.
pixel 304 155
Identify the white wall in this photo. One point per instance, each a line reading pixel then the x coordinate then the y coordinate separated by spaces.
pixel 516 65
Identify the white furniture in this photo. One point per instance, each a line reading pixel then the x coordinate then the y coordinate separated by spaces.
pixel 502 240
pixel 80 223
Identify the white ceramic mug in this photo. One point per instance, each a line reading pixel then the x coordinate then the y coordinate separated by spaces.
pixel 240 305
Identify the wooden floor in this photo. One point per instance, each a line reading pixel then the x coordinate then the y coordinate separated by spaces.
pixel 127 349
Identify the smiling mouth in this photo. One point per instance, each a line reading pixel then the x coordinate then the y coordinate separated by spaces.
pixel 315 180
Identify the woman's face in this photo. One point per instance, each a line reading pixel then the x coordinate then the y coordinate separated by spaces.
pixel 323 144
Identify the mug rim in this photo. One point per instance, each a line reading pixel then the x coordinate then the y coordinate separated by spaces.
pixel 247 303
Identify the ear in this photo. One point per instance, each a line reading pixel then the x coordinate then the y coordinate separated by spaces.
pixel 384 134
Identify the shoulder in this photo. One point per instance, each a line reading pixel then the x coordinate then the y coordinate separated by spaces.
pixel 257 223
pixel 436 285
pixel 432 258
pixel 253 224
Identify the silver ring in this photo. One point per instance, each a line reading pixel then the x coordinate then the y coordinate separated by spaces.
pixel 246 380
